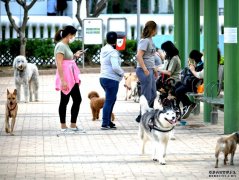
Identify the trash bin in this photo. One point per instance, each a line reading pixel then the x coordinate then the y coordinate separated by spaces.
pixel 121 41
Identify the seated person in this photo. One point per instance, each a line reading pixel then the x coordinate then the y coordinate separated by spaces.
pixel 170 69
pixel 190 78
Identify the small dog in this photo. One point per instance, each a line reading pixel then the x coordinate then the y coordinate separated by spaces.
pixel 26 74
pixel 97 103
pixel 131 80
pixel 156 125
pixel 227 145
pixel 11 111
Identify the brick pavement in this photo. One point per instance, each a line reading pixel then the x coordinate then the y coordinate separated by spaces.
pixel 35 152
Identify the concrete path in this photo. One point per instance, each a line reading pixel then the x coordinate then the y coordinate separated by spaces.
pixel 36 152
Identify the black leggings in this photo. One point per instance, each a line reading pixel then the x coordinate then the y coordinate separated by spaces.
pixel 76 98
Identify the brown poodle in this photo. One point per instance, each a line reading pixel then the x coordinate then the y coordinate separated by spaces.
pixel 97 103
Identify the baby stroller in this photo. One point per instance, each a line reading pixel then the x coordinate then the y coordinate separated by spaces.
pixel 165 86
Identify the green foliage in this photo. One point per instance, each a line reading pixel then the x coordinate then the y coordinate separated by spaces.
pixel 222 60
pixel 3 47
pixel 129 52
pixel 40 48
pixel 14 46
pixel 43 49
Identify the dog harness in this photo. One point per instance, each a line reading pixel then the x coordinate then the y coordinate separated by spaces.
pixel 152 124
pixel 9 110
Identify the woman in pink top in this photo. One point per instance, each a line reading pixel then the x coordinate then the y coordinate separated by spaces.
pixel 67 76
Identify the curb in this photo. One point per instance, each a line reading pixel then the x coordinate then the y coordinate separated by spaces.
pixel 8 71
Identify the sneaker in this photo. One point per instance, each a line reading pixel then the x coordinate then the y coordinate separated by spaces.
pixel 112 125
pixel 105 127
pixel 66 131
pixel 76 129
pixel 138 118
pixel 187 110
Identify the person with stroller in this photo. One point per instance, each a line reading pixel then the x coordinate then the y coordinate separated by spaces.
pixel 191 76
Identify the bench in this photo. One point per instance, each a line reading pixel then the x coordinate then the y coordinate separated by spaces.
pixel 217 103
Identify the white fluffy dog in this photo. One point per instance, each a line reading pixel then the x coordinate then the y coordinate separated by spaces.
pixel 26 74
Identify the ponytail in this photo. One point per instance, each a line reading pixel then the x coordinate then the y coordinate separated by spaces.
pixel 58 35
pixel 64 32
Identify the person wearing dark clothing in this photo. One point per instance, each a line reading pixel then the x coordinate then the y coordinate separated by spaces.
pixel 61 5
pixel 189 83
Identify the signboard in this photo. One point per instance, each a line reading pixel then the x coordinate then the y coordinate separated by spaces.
pixel 121 44
pixel 119 25
pixel 230 35
pixel 92 31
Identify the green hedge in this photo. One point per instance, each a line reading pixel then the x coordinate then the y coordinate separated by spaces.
pixel 43 49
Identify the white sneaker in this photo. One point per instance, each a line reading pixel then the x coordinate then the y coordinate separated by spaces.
pixel 66 131
pixel 76 129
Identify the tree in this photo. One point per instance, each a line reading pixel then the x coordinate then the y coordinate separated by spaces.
pixel 21 29
pixel 97 7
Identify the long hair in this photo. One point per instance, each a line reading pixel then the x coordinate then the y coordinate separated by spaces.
pixel 149 28
pixel 170 50
pixel 62 33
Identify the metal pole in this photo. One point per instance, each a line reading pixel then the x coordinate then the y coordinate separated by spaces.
pixel 138 20
pixel 179 28
pixel 193 25
pixel 231 80
pixel 210 53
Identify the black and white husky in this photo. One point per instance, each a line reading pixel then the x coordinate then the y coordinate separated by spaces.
pixel 156 125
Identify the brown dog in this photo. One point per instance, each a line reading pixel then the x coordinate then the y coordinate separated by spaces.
pixel 97 103
pixel 11 111
pixel 131 80
pixel 227 145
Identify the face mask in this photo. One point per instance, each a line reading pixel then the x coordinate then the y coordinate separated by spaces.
pixel 72 40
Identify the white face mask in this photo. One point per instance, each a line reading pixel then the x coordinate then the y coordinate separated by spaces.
pixel 72 40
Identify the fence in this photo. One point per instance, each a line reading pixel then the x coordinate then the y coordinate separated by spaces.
pixel 46 26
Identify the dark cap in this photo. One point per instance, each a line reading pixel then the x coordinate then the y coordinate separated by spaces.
pixel 196 55
pixel 111 37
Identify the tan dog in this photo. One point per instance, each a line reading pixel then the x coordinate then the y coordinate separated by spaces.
pixel 227 145
pixel 131 80
pixel 97 103
pixel 11 111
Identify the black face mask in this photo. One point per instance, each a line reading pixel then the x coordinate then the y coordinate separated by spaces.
pixel 114 46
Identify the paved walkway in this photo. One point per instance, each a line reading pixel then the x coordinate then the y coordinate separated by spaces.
pixel 36 152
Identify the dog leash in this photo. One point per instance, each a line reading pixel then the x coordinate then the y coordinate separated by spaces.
pixel 9 110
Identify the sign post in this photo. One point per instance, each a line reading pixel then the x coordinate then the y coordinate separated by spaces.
pixel 92 33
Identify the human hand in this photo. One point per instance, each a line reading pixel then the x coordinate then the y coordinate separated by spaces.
pixel 191 67
pixel 78 53
pixel 156 74
pixel 146 72
pixel 162 54
pixel 64 86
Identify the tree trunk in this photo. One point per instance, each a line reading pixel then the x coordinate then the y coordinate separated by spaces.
pixel 23 41
pixel 20 30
